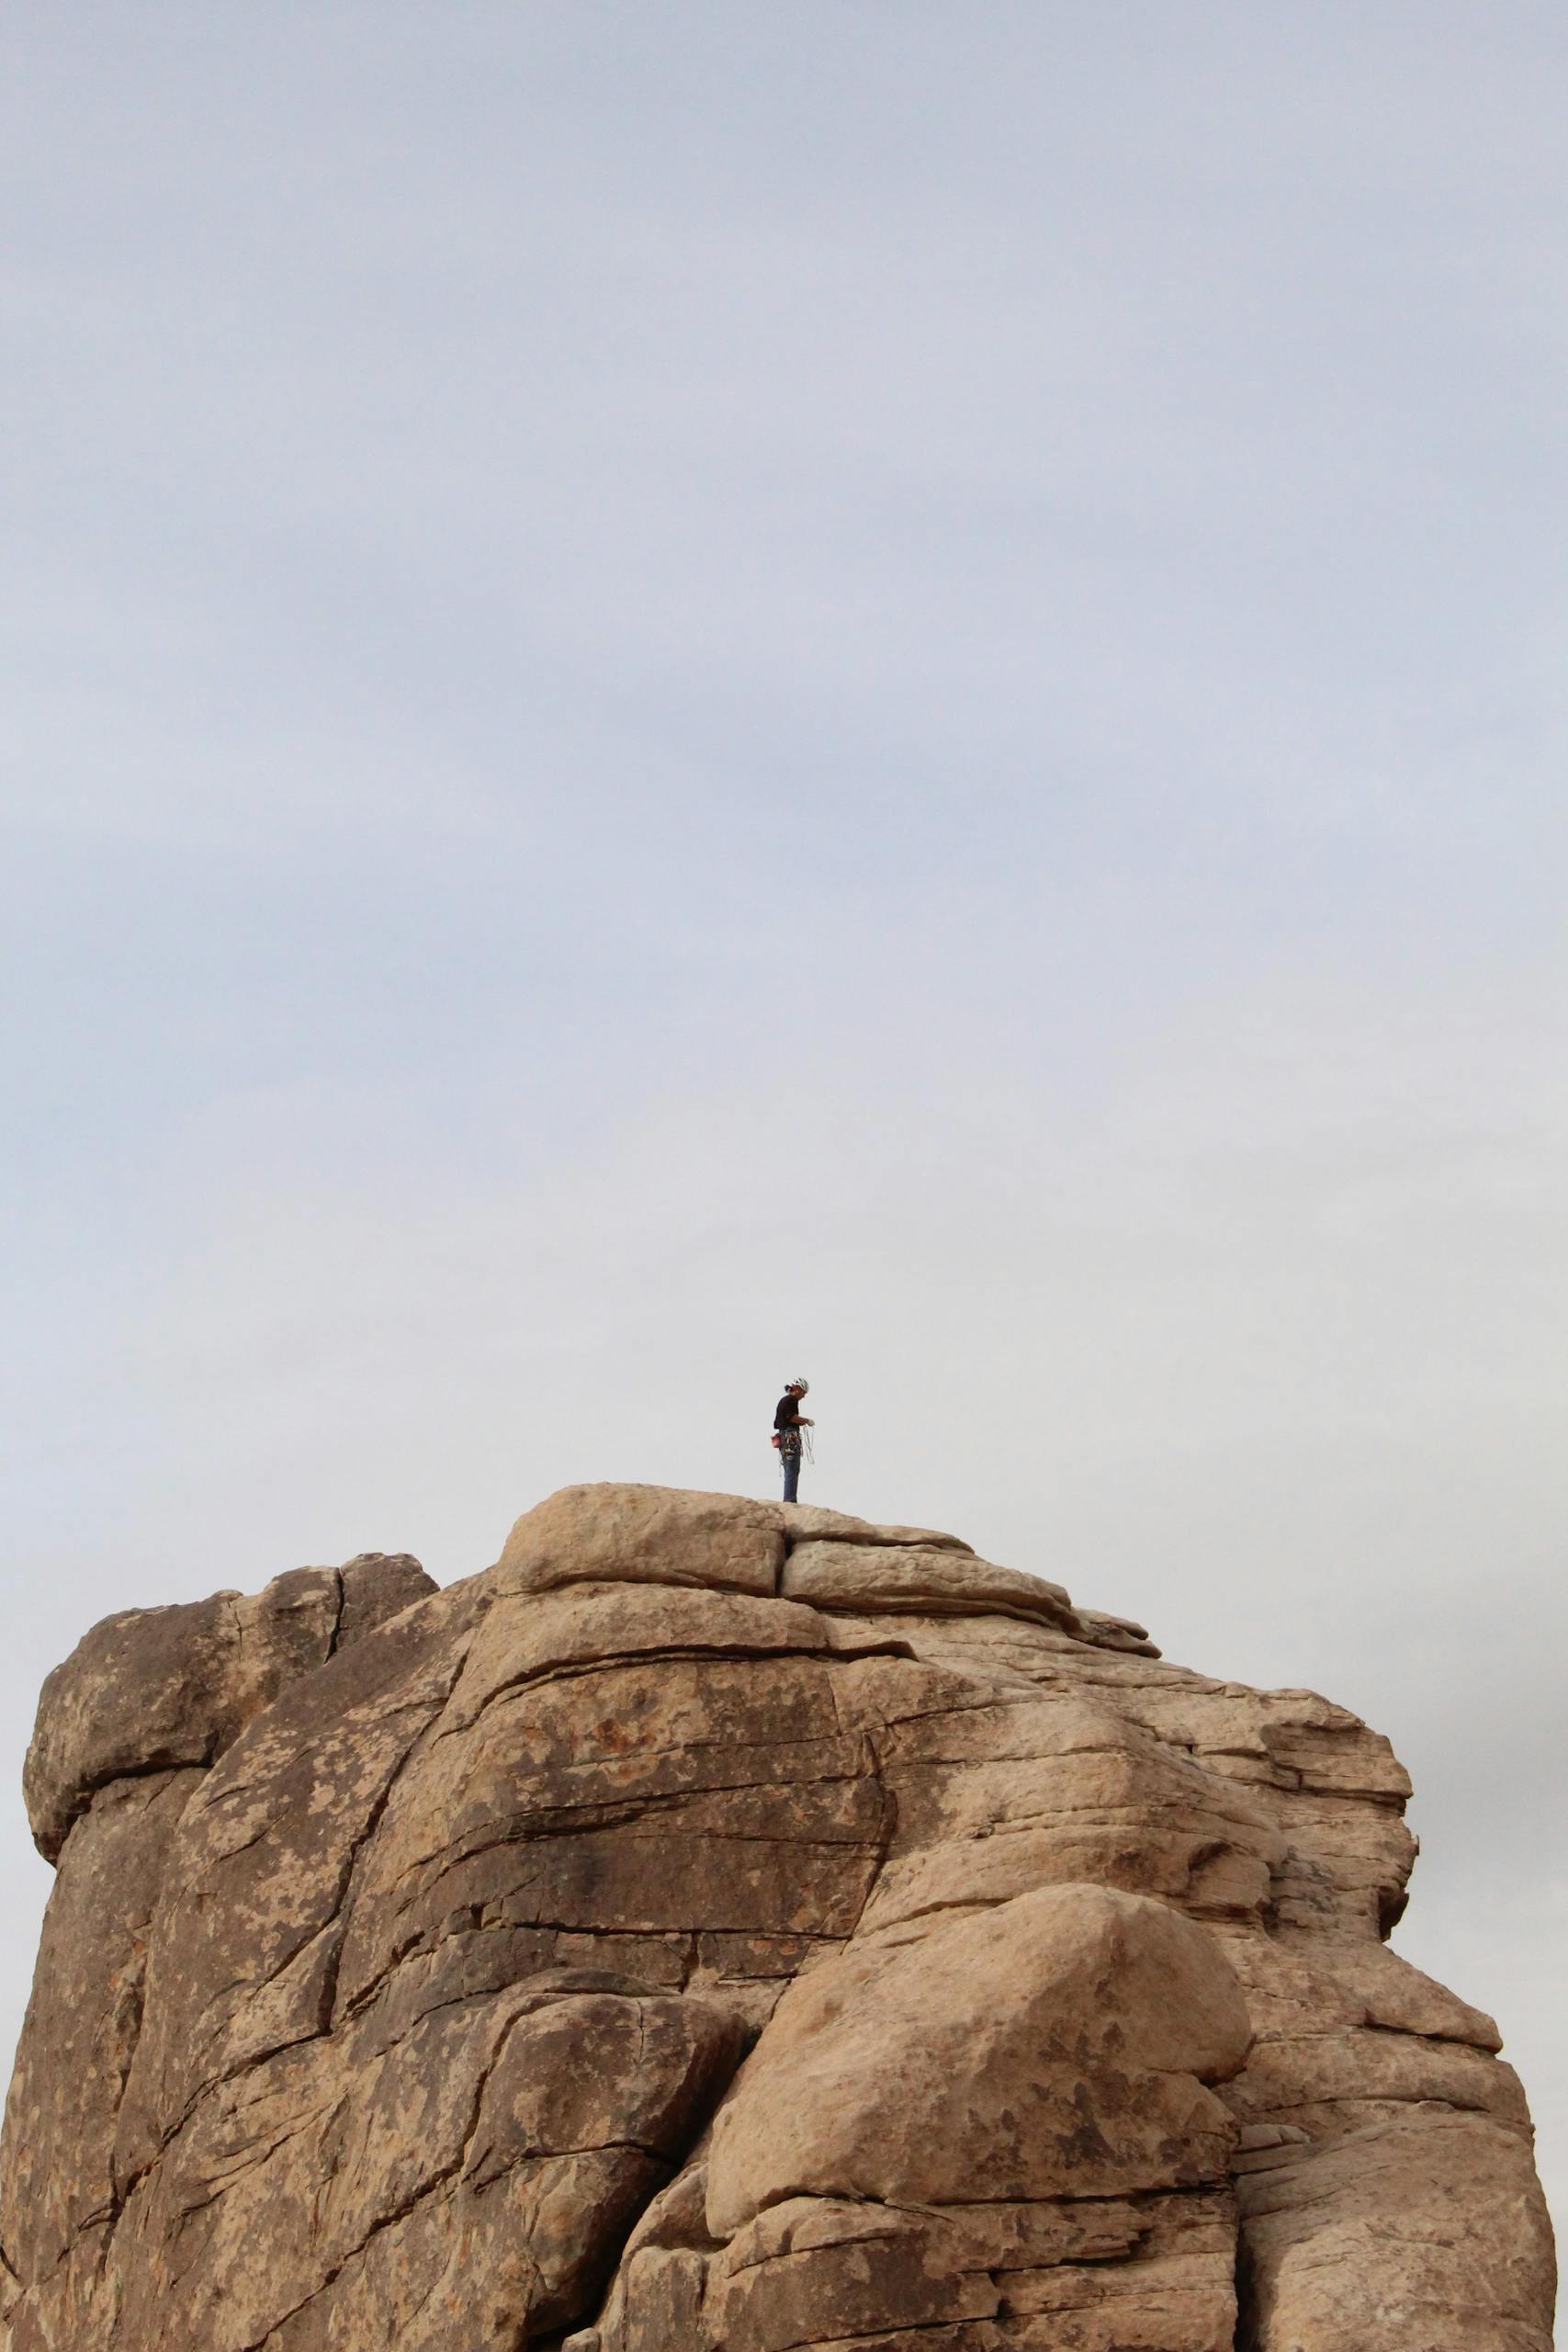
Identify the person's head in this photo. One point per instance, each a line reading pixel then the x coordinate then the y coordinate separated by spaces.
pixel 796 1388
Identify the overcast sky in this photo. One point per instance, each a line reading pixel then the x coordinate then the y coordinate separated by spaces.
pixel 710 690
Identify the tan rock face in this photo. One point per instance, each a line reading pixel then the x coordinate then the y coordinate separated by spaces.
pixel 728 1929
pixel 644 1535
pixel 153 1687
pixel 1055 2048
pixel 938 1583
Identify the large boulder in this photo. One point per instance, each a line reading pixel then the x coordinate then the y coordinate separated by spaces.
pixel 1054 2046
pixel 723 1927
pixel 644 1535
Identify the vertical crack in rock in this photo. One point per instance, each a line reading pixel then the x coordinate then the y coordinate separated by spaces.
pixel 406 1948
pixel 337 1613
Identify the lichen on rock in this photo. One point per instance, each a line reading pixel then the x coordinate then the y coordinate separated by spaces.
pixel 731 1927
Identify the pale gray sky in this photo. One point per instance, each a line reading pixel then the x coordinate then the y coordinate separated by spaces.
pixel 704 689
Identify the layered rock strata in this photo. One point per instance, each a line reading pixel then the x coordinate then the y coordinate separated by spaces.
pixel 726 1928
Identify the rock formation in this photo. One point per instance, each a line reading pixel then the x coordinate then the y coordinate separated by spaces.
pixel 729 1927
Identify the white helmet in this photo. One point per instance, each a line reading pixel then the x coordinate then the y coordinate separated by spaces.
pixel 801 1385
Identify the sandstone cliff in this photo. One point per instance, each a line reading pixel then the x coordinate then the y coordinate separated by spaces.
pixel 722 1927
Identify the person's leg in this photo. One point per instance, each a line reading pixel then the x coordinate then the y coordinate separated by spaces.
pixel 792 1472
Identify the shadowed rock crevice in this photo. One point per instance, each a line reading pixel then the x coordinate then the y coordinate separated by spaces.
pixel 726 1928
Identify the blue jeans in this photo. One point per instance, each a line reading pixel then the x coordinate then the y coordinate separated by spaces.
pixel 790 1456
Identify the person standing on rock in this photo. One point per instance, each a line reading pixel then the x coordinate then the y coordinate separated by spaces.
pixel 788 1422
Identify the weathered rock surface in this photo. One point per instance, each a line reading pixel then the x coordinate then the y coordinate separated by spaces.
pixel 149 1689
pixel 936 1583
pixel 723 1927
pixel 1062 2053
